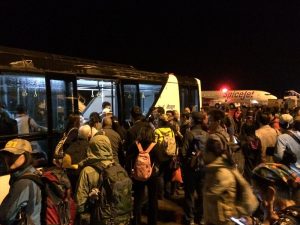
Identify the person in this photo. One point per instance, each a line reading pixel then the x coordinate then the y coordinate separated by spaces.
pixel 26 124
pixel 99 154
pixel 75 153
pixel 145 138
pixel 194 143
pixel 289 141
pixel 220 192
pixel 267 136
pixel 24 194
pixel 106 109
pixel 164 129
pixel 274 183
pixel 113 136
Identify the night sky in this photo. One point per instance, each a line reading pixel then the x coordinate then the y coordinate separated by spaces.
pixel 245 44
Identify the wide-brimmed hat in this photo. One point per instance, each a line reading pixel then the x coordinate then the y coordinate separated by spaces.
pixel 17 146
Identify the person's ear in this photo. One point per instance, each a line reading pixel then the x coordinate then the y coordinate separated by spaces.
pixel 19 162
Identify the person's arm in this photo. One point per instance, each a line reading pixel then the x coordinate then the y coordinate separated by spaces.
pixel 36 127
pixel 88 180
pixel 280 148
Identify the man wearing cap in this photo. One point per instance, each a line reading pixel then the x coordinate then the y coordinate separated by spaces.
pixel 194 143
pixel 24 193
pixel 274 184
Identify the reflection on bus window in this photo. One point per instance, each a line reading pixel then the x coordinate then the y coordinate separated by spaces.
pixel 62 103
pixel 92 93
pixel 130 99
pixel 27 90
pixel 148 93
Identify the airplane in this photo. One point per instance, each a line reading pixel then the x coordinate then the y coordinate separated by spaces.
pixel 246 97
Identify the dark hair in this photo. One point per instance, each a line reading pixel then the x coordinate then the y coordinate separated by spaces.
pixel 21 109
pixel 264 119
pixel 73 121
pixel 94 118
pixel 136 112
pixel 105 104
pixel 215 147
pixel 145 136
pixel 160 110
pixel 217 114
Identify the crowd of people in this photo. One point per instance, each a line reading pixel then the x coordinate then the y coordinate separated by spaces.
pixel 238 165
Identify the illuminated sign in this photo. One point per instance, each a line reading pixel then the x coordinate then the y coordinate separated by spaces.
pixel 239 94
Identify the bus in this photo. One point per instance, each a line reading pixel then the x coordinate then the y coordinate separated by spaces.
pixel 53 86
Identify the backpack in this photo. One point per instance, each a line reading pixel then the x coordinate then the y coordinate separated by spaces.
pixel 195 160
pixel 58 207
pixel 114 205
pixel 246 202
pixel 59 149
pixel 168 143
pixel 142 167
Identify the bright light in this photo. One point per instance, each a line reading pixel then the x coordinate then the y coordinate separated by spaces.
pixel 224 90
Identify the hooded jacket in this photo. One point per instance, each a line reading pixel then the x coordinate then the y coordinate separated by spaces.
pixel 99 152
pixel 23 192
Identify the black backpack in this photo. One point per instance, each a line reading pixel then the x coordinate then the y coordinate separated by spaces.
pixel 114 205
pixel 196 150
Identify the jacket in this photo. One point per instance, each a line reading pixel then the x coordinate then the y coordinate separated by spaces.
pixel 219 192
pixel 23 192
pixel 99 151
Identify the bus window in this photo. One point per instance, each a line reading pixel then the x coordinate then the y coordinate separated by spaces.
pixel 92 93
pixel 27 90
pixel 148 94
pixel 62 103
pixel 130 99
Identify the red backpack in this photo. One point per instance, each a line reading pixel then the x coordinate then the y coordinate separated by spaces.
pixel 58 207
pixel 142 166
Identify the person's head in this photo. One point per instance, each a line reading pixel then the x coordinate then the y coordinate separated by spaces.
pixel 145 135
pixel 136 113
pixel 215 119
pixel 170 114
pixel 264 119
pixel 285 121
pixel 213 150
pixel 15 155
pixel 187 109
pixel 106 105
pixel 273 183
pixel 95 120
pixel 73 121
pixel 199 118
pixel 21 109
pixel 163 120
pixel 176 115
pixel 107 122
pixel 84 132
pixel 160 110
pixel 100 149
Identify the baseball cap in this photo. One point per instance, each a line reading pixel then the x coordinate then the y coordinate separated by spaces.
pixel 17 146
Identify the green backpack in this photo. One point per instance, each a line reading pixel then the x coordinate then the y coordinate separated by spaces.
pixel 114 205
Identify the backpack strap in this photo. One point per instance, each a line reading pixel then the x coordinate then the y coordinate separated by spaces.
pixel 293 136
pixel 141 150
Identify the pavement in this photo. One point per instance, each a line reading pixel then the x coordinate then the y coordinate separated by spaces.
pixel 170 210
